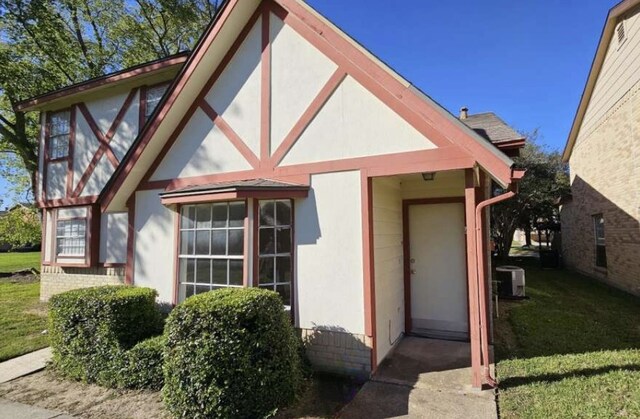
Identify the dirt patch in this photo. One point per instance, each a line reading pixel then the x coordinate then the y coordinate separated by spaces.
pixel 45 390
pixel 22 277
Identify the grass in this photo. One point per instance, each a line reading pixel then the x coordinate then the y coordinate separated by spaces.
pixel 572 350
pixel 18 261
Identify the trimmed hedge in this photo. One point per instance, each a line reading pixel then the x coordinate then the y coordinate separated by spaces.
pixel 230 353
pixel 90 330
pixel 143 365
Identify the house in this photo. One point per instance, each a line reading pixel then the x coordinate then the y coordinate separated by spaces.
pixel 601 218
pixel 278 154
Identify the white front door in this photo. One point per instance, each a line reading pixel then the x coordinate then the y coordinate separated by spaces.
pixel 438 271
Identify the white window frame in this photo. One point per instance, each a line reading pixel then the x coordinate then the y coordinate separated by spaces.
pixel 184 257
pixel 599 241
pixel 80 237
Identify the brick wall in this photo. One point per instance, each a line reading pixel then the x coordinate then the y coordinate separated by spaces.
pixel 605 178
pixel 54 280
pixel 338 351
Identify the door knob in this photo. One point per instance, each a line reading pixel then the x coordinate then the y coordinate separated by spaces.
pixel 413 271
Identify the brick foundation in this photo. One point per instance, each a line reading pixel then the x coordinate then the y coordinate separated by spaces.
pixel 54 279
pixel 338 352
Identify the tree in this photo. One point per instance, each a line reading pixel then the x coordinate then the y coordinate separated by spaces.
pixel 49 44
pixel 545 181
pixel 20 227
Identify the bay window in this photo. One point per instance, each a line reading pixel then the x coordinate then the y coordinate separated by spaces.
pixel 71 237
pixel 211 249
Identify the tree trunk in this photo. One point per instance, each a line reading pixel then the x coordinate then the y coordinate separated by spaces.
pixel 527 236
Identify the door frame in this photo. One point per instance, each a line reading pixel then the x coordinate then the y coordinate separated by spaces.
pixel 406 246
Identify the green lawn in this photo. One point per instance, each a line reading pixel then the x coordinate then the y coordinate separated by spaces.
pixel 18 261
pixel 572 350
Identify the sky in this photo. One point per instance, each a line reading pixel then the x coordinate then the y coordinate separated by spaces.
pixel 526 60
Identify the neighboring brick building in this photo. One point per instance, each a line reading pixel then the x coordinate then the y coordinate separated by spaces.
pixel 601 220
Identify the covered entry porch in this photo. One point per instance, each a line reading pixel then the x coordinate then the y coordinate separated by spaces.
pixel 429 258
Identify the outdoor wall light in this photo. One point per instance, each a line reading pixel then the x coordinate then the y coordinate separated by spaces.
pixel 429 175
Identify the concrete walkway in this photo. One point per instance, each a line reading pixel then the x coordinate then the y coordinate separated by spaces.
pixel 13 410
pixel 24 365
pixel 424 378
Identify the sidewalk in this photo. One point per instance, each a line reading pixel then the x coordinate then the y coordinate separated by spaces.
pixel 13 410
pixel 24 365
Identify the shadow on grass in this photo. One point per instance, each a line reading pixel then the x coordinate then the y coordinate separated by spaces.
pixel 567 313
pixel 516 381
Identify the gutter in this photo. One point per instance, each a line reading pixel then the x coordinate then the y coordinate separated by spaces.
pixel 482 279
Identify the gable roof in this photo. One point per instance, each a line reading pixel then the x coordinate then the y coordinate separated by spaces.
pixel 603 45
pixel 211 51
pixel 147 69
pixel 492 127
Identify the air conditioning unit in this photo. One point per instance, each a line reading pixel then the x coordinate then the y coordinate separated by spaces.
pixel 510 281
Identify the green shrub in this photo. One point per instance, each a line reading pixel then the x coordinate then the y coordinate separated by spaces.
pixel 230 353
pixel 91 328
pixel 143 365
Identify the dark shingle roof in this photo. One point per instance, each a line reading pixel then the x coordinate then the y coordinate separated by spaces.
pixel 251 184
pixel 491 127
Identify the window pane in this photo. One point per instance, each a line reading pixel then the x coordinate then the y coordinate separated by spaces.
pixel 60 123
pixel 235 272
pixel 187 270
pixel 283 236
pixel 285 293
pixel 266 213
pixel 219 215
pixel 236 242
pixel 203 271
pixel 189 290
pixel 283 213
pixel 203 216
pixel 218 242
pixel 219 272
pixel 283 269
pixel 202 242
pixel 237 213
pixel 266 270
pixel 70 237
pixel 267 239
pixel 202 288
pixel 186 242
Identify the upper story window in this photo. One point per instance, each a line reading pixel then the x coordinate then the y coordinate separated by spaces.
pixel 601 252
pixel 154 94
pixel 275 243
pixel 71 237
pixel 211 250
pixel 59 132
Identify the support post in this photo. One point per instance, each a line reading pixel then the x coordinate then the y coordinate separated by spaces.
pixel 472 279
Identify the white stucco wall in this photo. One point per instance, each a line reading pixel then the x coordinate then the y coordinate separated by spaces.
pixel 329 270
pixel 127 130
pixel 235 96
pixel 298 72
pixel 388 263
pixel 113 237
pixel 445 184
pixel 56 180
pixel 200 149
pixel 48 236
pixel 86 145
pixel 100 176
pixel 154 245
pixel 354 123
pixel 73 212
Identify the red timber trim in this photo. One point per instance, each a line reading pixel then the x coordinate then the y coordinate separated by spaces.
pixel 397 95
pixel 187 116
pixel 101 81
pixel 52 203
pixel 314 107
pixel 472 279
pixel 406 247
pixel 45 161
pixel 94 234
pixel 234 195
pixel 70 157
pixel 104 139
pixel 37 189
pixel 231 135
pixel 368 265
pixel 54 229
pixel 194 59
pixel 246 249
pixel 447 158
pixel 176 254
pixel 265 88
pixel 142 108
pixel 131 236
